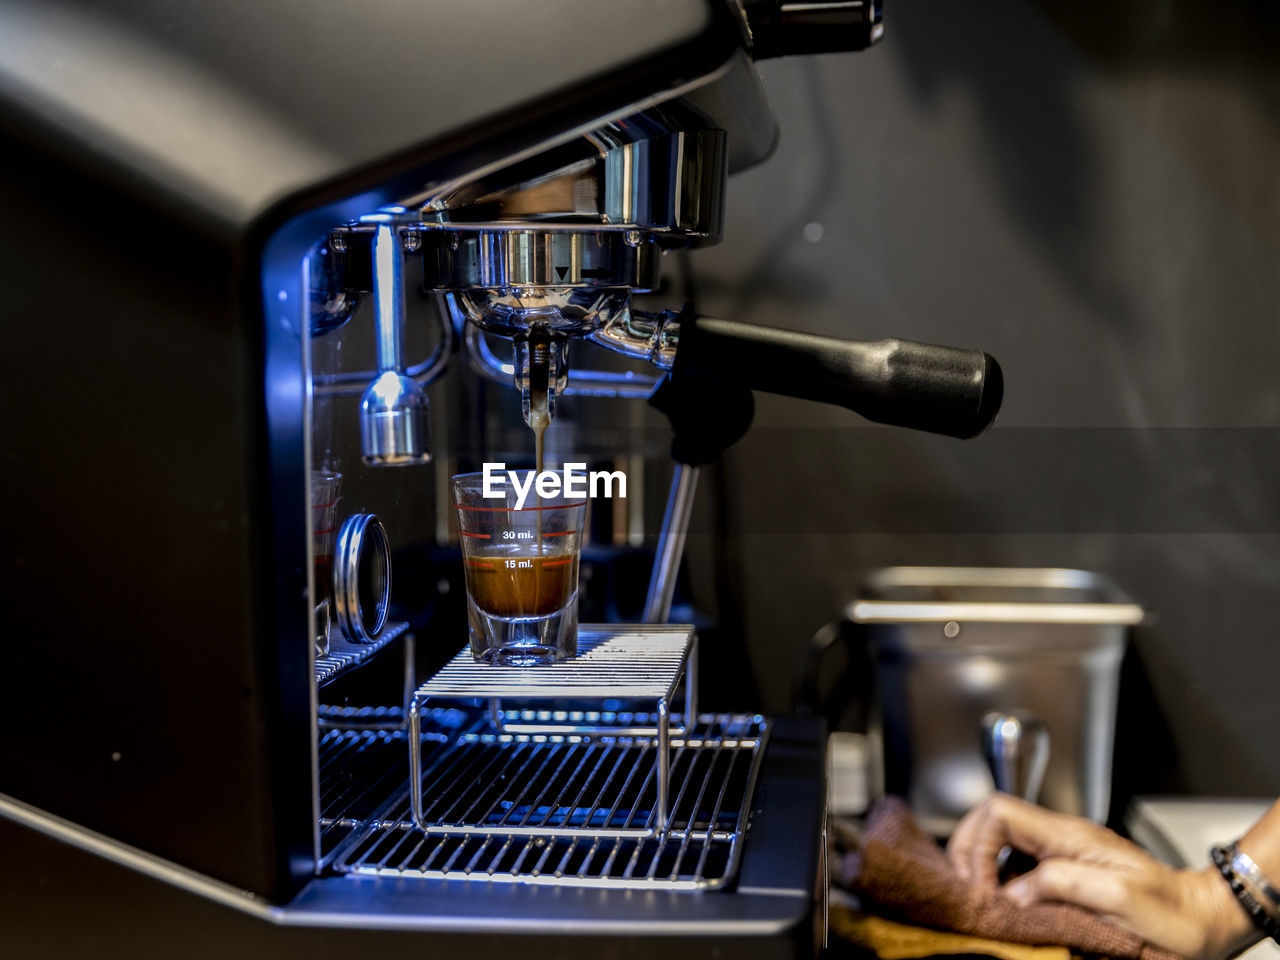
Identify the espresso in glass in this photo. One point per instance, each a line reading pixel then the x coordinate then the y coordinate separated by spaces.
pixel 521 565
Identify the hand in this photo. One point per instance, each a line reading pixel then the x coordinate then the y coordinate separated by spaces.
pixel 1192 913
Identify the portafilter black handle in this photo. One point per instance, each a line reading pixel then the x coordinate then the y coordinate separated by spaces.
pixel 898 382
pixel 781 28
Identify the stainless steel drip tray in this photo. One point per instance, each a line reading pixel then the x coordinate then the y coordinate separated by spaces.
pixel 770 909
pixel 572 810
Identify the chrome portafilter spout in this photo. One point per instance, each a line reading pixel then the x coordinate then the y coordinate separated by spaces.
pixel 394 418
pixel 539 320
pixel 541 370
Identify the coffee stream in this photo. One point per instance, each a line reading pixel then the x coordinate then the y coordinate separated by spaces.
pixel 517 585
pixel 539 412
pixel 539 420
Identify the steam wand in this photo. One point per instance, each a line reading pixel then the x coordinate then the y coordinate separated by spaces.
pixel 394 418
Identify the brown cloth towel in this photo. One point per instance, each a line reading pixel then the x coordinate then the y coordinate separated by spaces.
pixel 903 870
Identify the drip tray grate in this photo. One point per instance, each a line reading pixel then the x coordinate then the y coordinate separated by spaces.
pixel 513 808
pixel 343 656
pixel 358 770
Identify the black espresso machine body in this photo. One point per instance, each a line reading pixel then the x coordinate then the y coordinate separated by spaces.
pixel 166 170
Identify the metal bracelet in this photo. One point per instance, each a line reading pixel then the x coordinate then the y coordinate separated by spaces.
pixel 1245 866
pixel 1223 859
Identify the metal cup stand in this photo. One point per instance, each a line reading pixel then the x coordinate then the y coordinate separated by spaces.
pixel 344 656
pixel 633 662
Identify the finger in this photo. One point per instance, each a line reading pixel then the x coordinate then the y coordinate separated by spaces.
pixel 1044 833
pixel 1158 904
pixel 982 833
pixel 960 845
pixel 1095 888
pixel 990 839
pixel 965 836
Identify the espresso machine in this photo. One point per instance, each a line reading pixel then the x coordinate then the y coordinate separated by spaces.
pixel 231 227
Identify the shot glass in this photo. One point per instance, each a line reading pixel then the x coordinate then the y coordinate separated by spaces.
pixel 324 525
pixel 521 566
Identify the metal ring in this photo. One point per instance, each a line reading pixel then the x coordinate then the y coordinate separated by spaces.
pixel 501 260
pixel 362 578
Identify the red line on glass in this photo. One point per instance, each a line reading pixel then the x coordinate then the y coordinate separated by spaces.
pixel 552 506
pixel 480 536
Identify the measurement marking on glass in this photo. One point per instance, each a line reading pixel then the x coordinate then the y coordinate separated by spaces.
pixel 520 564
pixel 517 534
pixel 551 506
pixel 478 536
pixel 554 563
pixel 482 564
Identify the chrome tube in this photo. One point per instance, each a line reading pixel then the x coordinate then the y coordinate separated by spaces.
pixel 675 527
pixel 388 295
pixel 424 373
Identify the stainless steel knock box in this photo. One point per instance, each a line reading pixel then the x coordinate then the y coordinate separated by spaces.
pixel 957 649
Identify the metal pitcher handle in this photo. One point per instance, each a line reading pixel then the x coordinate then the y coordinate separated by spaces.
pixel 1016 745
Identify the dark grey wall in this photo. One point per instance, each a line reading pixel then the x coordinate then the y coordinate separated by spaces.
pixel 1090 192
